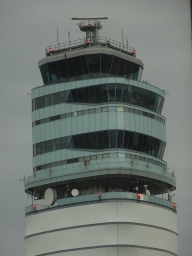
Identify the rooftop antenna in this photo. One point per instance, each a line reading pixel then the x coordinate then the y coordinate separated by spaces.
pixel 91 26
pixel 69 35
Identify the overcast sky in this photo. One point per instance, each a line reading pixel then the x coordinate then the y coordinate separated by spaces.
pixel 159 30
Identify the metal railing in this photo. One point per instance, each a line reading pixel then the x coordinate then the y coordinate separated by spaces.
pixel 104 196
pixel 82 43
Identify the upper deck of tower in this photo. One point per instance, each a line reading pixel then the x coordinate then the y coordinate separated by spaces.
pixel 92 56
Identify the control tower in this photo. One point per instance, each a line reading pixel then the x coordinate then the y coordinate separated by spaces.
pixel 98 143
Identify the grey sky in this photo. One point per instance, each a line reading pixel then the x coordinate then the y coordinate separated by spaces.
pixel 160 33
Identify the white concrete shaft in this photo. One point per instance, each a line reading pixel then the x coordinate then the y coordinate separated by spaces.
pixel 106 228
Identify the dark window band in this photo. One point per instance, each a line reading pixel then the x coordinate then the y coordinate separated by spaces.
pixel 103 140
pixel 80 67
pixel 103 93
pixel 97 157
pixel 97 110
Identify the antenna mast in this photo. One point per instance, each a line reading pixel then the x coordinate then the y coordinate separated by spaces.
pixel 91 26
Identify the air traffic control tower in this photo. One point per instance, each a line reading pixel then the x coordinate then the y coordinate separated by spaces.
pixel 98 143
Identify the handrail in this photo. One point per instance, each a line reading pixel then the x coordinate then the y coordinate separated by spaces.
pixel 82 42
pixel 104 196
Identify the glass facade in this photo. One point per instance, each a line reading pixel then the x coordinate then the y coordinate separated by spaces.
pixel 113 92
pixel 80 67
pixel 97 110
pixel 98 157
pixel 104 140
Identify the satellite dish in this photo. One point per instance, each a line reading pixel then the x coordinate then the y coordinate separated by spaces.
pixel 147 192
pixel 74 192
pixel 50 196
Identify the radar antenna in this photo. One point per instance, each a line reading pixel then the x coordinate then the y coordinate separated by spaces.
pixel 91 26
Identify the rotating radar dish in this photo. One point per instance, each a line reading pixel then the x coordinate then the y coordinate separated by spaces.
pixel 50 196
pixel 75 192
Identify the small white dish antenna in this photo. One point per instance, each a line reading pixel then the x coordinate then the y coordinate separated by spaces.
pixel 74 192
pixel 147 192
pixel 50 196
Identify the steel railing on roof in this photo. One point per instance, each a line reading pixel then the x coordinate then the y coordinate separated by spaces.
pixel 82 43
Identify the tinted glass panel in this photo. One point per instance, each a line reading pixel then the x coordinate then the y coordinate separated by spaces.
pixel 103 140
pixel 62 69
pixel 78 66
pixel 53 71
pixel 93 62
pixel 106 61
pixel 112 138
pixel 93 138
pixel 104 93
pixel 119 88
pixel 92 98
pixel 128 69
pixel 100 140
pixel 71 67
pixel 120 137
pixel 44 74
pixel 98 94
pixel 80 95
pixel 115 65
pixel 84 64
pixel 121 70
pixel 135 71
pixel 111 92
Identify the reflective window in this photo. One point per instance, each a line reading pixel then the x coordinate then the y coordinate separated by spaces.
pixel 103 140
pixel 97 110
pixel 95 157
pixel 81 67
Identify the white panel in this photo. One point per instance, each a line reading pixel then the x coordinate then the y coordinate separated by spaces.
pixel 104 120
pixel 112 120
pixel 74 125
pixel 42 132
pixel 62 123
pixel 47 158
pixel 52 110
pixel 68 126
pixel 37 134
pixel 52 130
pixel 141 124
pixel 62 108
pixel 145 127
pixel 88 214
pixel 120 121
pixel 86 128
pixel 47 112
pixel 57 126
pixel 102 235
pixel 149 126
pixel 137 117
pixel 127 121
pixel 80 124
pixel 132 121
pixel 98 121
pixel 41 113
pixel 57 109
pixel 92 122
